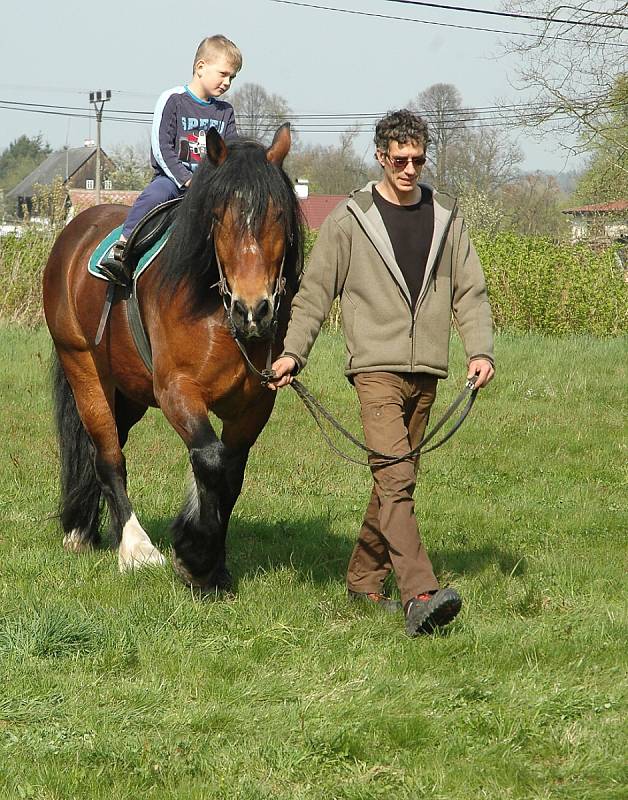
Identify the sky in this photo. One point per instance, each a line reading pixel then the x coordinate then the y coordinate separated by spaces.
pixel 319 61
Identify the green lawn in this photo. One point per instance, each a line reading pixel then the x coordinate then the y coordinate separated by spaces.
pixel 128 687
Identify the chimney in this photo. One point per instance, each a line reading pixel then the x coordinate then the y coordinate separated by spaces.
pixel 302 188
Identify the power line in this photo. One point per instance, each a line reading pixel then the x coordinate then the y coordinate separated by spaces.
pixel 338 121
pixel 462 123
pixel 445 24
pixel 511 15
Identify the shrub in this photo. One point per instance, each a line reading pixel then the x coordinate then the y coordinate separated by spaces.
pixel 537 285
pixel 22 260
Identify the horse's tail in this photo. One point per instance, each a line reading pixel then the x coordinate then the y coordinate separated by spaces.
pixel 79 505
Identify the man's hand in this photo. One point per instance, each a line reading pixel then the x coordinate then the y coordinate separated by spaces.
pixel 482 369
pixel 282 368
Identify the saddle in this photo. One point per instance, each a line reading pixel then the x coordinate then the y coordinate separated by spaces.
pixel 140 249
pixel 149 231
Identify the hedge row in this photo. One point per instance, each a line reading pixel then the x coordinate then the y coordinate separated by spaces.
pixel 535 284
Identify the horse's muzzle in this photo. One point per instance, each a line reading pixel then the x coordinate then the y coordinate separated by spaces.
pixel 252 321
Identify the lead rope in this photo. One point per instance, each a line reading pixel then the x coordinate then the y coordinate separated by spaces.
pixel 316 408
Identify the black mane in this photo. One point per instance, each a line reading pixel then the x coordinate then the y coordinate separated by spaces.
pixel 247 179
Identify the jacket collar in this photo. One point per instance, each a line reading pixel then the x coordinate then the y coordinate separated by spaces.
pixel 361 205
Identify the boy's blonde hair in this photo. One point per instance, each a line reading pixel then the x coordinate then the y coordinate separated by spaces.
pixel 213 47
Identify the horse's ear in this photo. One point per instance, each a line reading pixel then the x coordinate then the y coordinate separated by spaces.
pixel 216 147
pixel 280 147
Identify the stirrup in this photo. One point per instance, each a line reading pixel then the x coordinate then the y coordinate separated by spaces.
pixel 114 267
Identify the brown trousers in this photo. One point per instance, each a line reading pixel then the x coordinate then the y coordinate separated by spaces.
pixel 395 409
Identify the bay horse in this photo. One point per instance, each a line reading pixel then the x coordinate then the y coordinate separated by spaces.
pixel 239 221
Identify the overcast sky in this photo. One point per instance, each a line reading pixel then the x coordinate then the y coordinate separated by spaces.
pixel 319 61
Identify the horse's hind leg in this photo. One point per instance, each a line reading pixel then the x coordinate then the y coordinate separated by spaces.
pixel 79 507
pixel 91 408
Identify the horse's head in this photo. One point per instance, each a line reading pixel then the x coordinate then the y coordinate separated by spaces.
pixel 251 233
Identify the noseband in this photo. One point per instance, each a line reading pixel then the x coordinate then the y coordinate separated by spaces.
pixel 225 292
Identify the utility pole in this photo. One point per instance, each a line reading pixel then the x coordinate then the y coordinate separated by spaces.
pixel 98 100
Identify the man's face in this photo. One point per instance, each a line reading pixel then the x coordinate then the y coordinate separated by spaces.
pixel 216 76
pixel 402 177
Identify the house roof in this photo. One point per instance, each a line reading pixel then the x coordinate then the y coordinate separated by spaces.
pixel 62 164
pixel 317 207
pixel 599 208
pixel 86 198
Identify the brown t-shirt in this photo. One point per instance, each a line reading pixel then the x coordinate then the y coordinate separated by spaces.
pixel 410 229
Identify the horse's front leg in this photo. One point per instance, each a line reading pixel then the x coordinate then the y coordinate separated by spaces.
pixel 200 529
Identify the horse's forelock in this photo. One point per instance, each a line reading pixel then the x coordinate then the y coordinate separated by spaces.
pixel 247 183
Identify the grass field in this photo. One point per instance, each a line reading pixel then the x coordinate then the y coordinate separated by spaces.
pixel 128 687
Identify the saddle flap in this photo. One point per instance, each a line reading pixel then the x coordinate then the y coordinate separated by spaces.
pixel 149 230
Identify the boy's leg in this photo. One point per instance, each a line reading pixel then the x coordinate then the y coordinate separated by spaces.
pixel 391 404
pixel 159 190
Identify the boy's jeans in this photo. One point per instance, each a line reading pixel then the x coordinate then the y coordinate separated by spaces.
pixel 159 190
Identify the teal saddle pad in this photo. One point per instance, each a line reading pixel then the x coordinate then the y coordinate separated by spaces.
pixel 145 261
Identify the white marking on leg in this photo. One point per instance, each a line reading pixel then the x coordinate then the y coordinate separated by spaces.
pixel 136 549
pixel 75 542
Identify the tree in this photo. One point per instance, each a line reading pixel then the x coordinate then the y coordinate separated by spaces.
pixel 20 158
pixel 259 114
pixel 532 206
pixel 483 161
pixel 331 169
pixel 441 106
pixel 133 170
pixel 571 69
pixel 606 178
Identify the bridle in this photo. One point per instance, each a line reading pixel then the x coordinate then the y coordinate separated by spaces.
pixel 222 284
pixel 224 290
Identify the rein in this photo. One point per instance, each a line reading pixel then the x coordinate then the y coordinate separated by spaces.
pixel 318 411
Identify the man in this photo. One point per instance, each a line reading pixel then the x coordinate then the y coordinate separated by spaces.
pixel 399 256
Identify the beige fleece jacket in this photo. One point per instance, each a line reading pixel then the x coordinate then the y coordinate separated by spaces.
pixel 353 258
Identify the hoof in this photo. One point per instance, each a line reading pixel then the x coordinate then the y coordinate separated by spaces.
pixel 143 555
pixel 217 581
pixel 136 549
pixel 75 542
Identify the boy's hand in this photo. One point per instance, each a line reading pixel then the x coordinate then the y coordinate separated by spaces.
pixel 482 370
pixel 282 368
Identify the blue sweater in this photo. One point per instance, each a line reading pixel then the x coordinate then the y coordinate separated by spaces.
pixel 178 134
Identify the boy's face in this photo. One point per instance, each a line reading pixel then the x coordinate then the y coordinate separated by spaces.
pixel 215 76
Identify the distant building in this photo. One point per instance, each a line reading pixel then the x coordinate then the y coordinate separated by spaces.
pixel 76 167
pixel 316 207
pixel 599 221
pixel 80 199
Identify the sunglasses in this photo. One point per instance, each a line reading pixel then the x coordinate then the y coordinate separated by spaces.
pixel 401 162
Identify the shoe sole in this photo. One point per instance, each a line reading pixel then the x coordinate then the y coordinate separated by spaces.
pixel 439 611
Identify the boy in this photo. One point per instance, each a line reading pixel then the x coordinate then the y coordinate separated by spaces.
pixel 181 118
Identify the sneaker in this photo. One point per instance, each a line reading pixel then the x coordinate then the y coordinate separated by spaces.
pixel 428 611
pixel 113 265
pixel 376 599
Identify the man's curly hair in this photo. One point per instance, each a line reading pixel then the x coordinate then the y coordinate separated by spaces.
pixel 401 126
